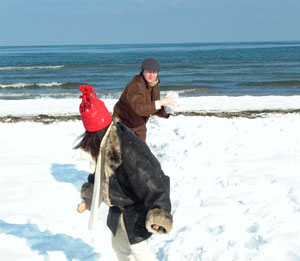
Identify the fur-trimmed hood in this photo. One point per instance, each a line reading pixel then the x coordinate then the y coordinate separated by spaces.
pixel 112 159
pixel 112 149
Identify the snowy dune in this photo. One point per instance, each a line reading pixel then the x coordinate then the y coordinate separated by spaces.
pixel 204 103
pixel 235 184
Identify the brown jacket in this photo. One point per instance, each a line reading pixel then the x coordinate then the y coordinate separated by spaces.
pixel 137 103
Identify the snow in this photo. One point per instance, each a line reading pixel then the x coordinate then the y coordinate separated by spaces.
pixel 235 183
pixel 69 106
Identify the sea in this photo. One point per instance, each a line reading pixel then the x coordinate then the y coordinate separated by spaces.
pixel 191 69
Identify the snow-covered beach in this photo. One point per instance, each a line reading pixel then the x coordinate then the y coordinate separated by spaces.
pixel 235 183
pixel 69 106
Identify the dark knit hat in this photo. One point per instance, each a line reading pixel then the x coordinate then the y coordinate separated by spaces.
pixel 150 64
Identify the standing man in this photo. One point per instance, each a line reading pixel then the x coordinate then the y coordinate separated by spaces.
pixel 141 98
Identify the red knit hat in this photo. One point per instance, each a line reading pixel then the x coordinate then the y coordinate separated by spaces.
pixel 94 114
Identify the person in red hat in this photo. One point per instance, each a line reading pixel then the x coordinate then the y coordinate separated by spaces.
pixel 127 177
pixel 141 98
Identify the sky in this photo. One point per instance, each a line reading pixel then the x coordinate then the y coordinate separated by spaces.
pixel 60 22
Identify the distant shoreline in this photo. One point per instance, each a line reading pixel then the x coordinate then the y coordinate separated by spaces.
pixel 154 43
pixel 250 114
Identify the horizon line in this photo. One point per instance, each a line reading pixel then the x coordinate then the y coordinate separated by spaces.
pixel 163 43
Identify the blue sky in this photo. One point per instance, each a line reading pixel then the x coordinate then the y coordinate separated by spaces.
pixel 50 22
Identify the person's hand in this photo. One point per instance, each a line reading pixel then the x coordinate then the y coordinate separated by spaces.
pixel 171 114
pixel 157 228
pixel 81 207
pixel 169 100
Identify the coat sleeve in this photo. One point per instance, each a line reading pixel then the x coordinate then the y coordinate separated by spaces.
pixel 87 187
pixel 149 184
pixel 87 194
pixel 162 113
pixel 136 97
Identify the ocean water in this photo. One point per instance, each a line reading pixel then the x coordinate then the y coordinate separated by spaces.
pixel 191 69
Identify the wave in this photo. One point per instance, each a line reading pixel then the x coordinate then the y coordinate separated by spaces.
pixel 34 96
pixel 31 85
pixel 183 87
pixel 188 90
pixel 13 68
